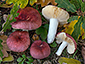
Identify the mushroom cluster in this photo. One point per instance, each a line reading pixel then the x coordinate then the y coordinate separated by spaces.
pixel 56 16
pixel 66 40
pixel 28 19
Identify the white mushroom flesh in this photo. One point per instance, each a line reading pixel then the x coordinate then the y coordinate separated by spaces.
pixel 61 48
pixel 52 30
pixel 66 41
pixel 59 14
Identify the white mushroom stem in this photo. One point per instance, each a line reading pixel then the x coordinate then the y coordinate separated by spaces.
pixel 61 48
pixel 52 30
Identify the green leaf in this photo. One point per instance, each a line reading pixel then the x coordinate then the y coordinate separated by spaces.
pixel 21 62
pixel 66 4
pixel 83 25
pixel 72 18
pixel 77 3
pixel 22 3
pixel 77 31
pixel 1 47
pixel 1 41
pixel 19 59
pixel 54 44
pixel 32 2
pixel 30 60
pixel 24 56
pixel 1 54
pixel 63 60
pixel 27 62
pixel 14 14
pixel 46 26
pixel 83 6
pixel 42 32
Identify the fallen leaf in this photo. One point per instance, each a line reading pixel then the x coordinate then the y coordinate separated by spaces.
pixel 4 44
pixel 75 28
pixel 47 62
pixel 22 3
pixel 5 5
pixel 45 2
pixel 83 51
pixel 3 38
pixel 66 4
pixel 35 37
pixel 32 2
pixel 64 60
pixel 8 59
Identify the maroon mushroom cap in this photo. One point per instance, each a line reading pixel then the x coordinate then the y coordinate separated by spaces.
pixel 29 19
pixel 18 41
pixel 39 49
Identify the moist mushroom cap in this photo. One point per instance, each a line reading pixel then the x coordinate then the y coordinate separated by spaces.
pixel 39 49
pixel 18 41
pixel 29 19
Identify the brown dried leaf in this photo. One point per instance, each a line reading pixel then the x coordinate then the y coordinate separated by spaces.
pixel 4 44
pixel 3 37
pixel 83 52
pixel 45 2
pixel 35 37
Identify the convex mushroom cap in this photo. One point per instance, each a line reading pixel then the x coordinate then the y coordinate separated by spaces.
pixel 28 19
pixel 39 49
pixel 66 40
pixel 55 15
pixel 18 41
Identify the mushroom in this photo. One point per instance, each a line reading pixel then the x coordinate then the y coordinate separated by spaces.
pixel 39 49
pixel 66 40
pixel 18 41
pixel 28 19
pixel 55 15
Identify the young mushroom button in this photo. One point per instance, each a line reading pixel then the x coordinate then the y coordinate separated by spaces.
pixel 66 40
pixel 55 15
pixel 28 19
pixel 18 41
pixel 39 49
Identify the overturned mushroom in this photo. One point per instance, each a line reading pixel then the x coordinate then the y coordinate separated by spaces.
pixel 55 15
pixel 39 49
pixel 18 41
pixel 28 19
pixel 66 40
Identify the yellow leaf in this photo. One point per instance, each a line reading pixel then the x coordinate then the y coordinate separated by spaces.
pixel 22 3
pixel 68 61
pixel 70 28
pixel 45 2
pixel 32 2
pixel 8 59
pixel 5 5
pixel 82 32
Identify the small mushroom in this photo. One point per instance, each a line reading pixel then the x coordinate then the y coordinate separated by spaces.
pixel 28 19
pixel 39 49
pixel 55 15
pixel 66 40
pixel 18 41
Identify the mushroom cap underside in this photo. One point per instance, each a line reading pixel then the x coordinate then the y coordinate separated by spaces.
pixel 71 46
